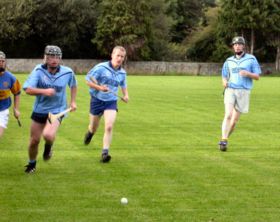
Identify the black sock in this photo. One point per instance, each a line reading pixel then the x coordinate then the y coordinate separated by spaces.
pixel 48 145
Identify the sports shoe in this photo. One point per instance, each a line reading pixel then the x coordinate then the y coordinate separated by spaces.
pixel 105 158
pixel 47 152
pixel 30 167
pixel 88 137
pixel 223 145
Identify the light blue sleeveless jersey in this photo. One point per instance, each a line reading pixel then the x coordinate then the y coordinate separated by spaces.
pixel 231 69
pixel 41 78
pixel 105 74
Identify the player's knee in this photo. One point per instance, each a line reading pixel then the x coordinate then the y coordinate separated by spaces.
pixel 34 141
pixel 235 120
pixel 228 116
pixel 109 128
pixel 48 137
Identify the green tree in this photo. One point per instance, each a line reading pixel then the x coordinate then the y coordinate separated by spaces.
pixel 139 25
pixel 15 18
pixel 15 23
pixel 186 15
pixel 243 17
pixel 159 30
pixel 27 26
pixel 66 23
pixel 272 29
pixel 204 45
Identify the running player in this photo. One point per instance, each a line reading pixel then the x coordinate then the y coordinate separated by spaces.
pixel 237 76
pixel 8 84
pixel 48 83
pixel 105 77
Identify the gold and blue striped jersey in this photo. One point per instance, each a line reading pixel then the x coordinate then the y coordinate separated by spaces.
pixel 8 84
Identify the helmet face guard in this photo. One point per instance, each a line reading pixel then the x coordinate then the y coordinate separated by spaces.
pixel 238 40
pixel 53 50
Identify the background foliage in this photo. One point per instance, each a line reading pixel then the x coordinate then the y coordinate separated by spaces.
pixel 170 30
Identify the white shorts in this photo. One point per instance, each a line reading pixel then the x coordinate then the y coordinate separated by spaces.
pixel 4 118
pixel 240 98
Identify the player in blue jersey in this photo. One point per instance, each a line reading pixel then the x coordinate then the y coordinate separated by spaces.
pixel 8 84
pixel 104 80
pixel 238 73
pixel 48 82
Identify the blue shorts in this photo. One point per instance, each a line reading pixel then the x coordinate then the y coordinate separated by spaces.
pixel 97 107
pixel 42 118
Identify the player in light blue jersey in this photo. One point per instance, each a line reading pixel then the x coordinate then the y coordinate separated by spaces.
pixel 8 85
pixel 238 74
pixel 104 80
pixel 48 82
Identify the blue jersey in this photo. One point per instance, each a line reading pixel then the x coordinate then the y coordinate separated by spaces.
pixel 41 78
pixel 105 74
pixel 8 84
pixel 233 65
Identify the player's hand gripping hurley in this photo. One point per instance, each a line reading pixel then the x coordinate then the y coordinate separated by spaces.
pixel 16 115
pixel 53 117
pixel 109 91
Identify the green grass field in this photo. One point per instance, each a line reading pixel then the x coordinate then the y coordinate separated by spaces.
pixel 165 159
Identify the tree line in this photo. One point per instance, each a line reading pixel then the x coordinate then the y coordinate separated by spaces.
pixel 162 30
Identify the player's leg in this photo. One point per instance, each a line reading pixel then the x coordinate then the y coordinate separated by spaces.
pixel 241 106
pixel 234 119
pixel 229 101
pixel 93 123
pixel 226 125
pixel 36 130
pixel 4 118
pixel 1 131
pixel 92 127
pixel 96 111
pixel 49 134
pixel 109 120
pixel 35 136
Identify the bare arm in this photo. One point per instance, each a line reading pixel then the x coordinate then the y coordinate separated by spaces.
pixel 38 91
pixel 225 82
pixel 16 106
pixel 73 93
pixel 125 94
pixel 96 86
pixel 249 74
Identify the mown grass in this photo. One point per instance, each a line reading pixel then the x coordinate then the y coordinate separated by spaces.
pixel 165 159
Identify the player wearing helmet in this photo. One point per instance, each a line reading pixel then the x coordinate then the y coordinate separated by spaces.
pixel 238 73
pixel 48 82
